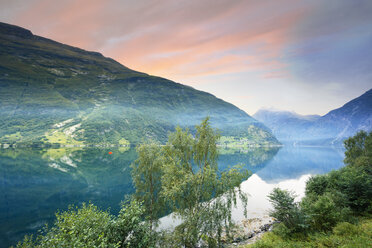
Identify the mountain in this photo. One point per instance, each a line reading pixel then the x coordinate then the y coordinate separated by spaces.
pixel 287 126
pixel 330 129
pixel 51 93
pixel 343 122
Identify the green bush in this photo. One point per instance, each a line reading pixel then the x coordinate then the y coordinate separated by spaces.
pixel 282 230
pixel 351 185
pixel 90 227
pixel 287 211
pixel 356 184
pixel 129 229
pixel 346 229
pixel 359 150
pixel 317 185
pixel 322 212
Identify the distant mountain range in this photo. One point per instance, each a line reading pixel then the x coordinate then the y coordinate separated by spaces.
pixel 51 93
pixel 330 129
pixel 286 125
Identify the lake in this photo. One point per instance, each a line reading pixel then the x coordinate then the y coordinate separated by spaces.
pixel 35 183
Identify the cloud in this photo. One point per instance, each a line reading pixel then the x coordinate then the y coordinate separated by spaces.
pixel 332 49
pixel 171 38
pixel 233 39
pixel 290 45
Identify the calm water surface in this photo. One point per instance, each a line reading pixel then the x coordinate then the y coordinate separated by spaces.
pixel 35 183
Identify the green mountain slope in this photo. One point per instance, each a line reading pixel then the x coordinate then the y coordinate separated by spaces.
pixel 54 93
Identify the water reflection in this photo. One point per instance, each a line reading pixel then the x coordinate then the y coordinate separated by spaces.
pixel 253 159
pixel 34 184
pixel 289 168
pixel 258 204
pixel 292 162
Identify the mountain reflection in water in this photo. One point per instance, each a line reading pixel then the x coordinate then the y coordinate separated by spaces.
pixel 35 183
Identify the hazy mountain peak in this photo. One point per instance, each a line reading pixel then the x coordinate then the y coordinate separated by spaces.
pixel 279 113
pixel 331 128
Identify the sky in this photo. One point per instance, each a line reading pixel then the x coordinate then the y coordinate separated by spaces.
pixel 308 56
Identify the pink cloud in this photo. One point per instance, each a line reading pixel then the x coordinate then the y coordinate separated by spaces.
pixel 172 39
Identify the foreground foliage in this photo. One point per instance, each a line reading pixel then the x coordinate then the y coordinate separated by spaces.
pixel 344 235
pixel 90 227
pixel 328 215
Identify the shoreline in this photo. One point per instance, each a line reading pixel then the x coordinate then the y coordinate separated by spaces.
pixel 251 230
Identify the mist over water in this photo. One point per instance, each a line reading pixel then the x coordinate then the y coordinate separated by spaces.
pixel 35 183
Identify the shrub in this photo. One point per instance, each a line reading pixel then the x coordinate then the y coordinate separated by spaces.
pixel 359 150
pixel 322 212
pixel 90 227
pixel 317 185
pixel 355 184
pixel 79 227
pixel 282 230
pixel 346 229
pixel 350 186
pixel 287 211
pixel 129 229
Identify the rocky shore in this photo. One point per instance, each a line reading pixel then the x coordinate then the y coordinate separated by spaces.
pixel 251 230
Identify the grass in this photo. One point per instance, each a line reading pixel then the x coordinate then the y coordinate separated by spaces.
pixel 344 235
pixel 59 137
pixel 13 137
